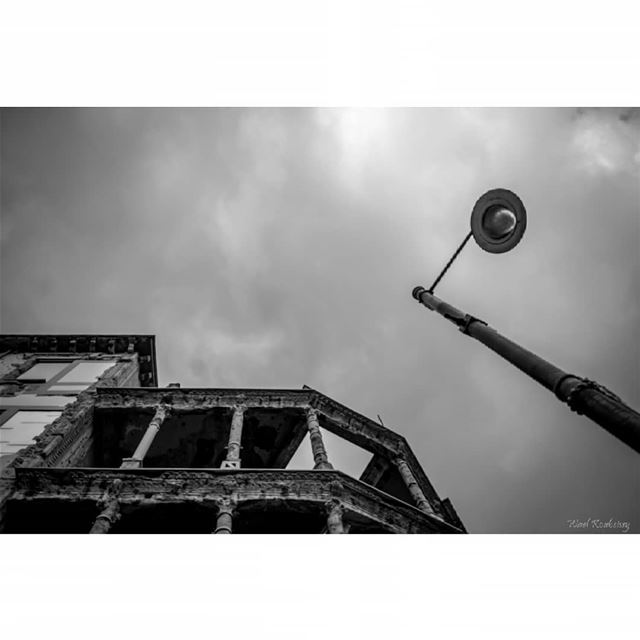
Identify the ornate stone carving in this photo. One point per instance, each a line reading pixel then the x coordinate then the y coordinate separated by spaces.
pixel 255 486
pixel 61 438
pixel 224 519
pixel 336 487
pixel 334 516
pixel 188 399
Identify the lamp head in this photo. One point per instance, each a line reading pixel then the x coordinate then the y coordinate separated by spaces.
pixel 498 220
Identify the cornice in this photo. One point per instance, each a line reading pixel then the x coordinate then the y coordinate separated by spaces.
pixel 77 344
pixel 185 399
pixel 150 486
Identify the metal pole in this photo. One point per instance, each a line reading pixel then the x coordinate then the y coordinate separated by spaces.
pixel 583 396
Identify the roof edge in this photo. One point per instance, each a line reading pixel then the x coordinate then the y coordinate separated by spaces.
pixel 116 343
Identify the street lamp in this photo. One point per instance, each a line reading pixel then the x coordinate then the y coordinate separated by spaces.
pixel 498 221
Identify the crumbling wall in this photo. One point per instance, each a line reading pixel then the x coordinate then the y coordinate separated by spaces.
pixel 10 362
pixel 125 374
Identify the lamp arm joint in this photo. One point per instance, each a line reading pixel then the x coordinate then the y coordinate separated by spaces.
pixel 468 320
pixel 572 397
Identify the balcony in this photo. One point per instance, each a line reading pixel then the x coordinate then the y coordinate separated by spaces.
pixel 170 459
pixel 189 501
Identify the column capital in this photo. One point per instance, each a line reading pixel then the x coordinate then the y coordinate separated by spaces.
pixel 227 506
pixel 239 407
pixel 337 489
pixel 333 505
pixel 224 517
pixel 110 493
pixel 162 411
pixel 334 511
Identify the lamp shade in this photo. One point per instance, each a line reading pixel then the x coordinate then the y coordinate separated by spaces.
pixel 498 220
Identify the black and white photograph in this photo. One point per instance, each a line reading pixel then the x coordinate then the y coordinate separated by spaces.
pixel 272 272
pixel 286 380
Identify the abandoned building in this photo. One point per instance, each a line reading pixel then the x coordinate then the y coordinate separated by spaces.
pixel 90 443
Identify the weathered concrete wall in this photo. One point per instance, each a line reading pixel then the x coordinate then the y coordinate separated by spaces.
pixel 125 374
pixel 10 361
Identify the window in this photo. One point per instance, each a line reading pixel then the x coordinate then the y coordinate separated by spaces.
pixel 19 431
pixel 21 428
pixel 43 371
pixel 63 377
pixel 87 372
pixel 68 387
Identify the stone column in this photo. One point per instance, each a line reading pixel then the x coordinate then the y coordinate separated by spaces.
pixel 107 518
pixel 317 446
pixel 110 514
pixel 135 461
pixel 224 519
pixel 232 460
pixel 334 517
pixel 413 487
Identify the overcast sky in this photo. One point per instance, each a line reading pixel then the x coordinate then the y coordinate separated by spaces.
pixel 276 248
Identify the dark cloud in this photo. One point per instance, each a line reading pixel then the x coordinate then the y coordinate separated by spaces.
pixel 276 247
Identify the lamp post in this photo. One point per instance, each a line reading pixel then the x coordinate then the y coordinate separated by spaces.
pixel 498 221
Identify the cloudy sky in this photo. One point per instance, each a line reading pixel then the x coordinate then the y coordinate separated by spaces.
pixel 279 247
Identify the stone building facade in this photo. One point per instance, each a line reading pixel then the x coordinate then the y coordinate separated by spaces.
pixel 90 443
